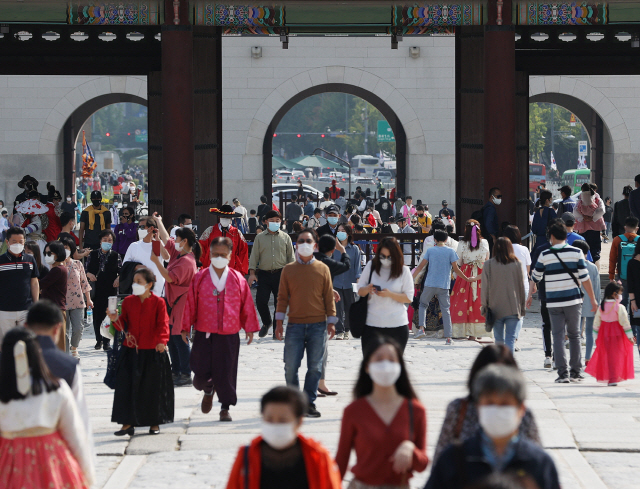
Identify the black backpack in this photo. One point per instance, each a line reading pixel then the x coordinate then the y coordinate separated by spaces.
pixel 479 216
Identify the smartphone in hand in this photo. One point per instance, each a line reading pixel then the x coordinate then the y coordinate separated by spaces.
pixel 155 247
pixel 377 288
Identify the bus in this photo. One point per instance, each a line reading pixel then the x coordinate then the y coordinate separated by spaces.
pixel 575 178
pixel 537 175
pixel 367 163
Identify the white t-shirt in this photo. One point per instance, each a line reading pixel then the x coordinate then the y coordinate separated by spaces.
pixel 384 312
pixel 141 252
pixel 523 255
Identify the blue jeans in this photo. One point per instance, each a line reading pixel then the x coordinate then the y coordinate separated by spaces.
pixel 179 352
pixel 588 333
pixel 445 307
pixel 505 330
pixel 311 337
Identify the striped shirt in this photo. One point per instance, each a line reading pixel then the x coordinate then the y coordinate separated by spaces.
pixel 560 288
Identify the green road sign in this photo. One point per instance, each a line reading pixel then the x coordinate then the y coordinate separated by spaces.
pixel 142 138
pixel 385 134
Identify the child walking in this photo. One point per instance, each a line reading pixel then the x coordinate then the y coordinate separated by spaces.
pixel 612 361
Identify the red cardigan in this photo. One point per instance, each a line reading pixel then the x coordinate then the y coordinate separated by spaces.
pixel 146 321
pixel 375 442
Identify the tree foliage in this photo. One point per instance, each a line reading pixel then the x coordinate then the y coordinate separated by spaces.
pixel 120 121
pixel 565 137
pixel 340 117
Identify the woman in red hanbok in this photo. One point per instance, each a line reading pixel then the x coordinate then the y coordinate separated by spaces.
pixel 473 251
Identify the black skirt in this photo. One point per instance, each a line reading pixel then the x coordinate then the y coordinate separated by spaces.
pixel 144 388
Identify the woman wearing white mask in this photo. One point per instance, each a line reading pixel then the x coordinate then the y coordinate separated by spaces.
pixel 389 285
pixel 184 252
pixel 144 389
pixel 386 425
pixel 54 285
pixel 219 304
pixel 589 214
pixel 281 457
pixel 78 296
pixel 461 420
pixel 499 392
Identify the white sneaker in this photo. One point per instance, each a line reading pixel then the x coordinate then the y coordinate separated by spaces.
pixel 420 334
pixel 449 342
pixel 547 362
pixel 339 336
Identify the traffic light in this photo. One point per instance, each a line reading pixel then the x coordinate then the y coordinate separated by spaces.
pixel 299 136
pixel 108 134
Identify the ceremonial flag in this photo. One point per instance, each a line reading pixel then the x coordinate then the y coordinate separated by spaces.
pixel 553 163
pixel 88 161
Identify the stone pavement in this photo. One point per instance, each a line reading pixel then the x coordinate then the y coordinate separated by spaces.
pixel 591 430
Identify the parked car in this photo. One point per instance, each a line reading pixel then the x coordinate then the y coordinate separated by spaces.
pixel 335 175
pixel 284 176
pixel 289 189
pixel 298 174
pixel 384 176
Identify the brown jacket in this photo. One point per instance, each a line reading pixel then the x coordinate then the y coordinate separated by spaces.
pixel 503 289
pixel 614 264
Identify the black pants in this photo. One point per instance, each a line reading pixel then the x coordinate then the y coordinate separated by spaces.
pixel 268 283
pixel 546 328
pixel 594 241
pixel 100 304
pixel 342 309
pixel 400 334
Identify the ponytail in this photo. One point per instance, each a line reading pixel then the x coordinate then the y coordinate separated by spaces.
pixel 609 290
pixel 190 236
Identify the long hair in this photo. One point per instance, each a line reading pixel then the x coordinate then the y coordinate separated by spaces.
pixel 499 354
pixel 190 236
pixel 397 258
pixel 503 251
pixel 468 228
pixel 364 384
pixel 33 247
pixel 40 375
pixel 609 290
pixel 348 230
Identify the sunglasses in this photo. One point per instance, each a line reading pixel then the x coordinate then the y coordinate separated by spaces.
pixel 308 241
pixel 126 216
pixel 498 196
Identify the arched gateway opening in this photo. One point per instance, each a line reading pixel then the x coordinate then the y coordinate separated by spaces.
pixel 377 102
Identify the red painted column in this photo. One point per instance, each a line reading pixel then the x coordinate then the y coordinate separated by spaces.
pixel 178 194
pixel 500 108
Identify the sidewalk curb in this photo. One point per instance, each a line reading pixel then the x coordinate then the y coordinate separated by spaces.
pixel 125 472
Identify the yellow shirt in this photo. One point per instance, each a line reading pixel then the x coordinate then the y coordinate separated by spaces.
pixel 424 221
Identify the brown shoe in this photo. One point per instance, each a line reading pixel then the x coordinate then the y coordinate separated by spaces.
pixel 224 415
pixel 207 403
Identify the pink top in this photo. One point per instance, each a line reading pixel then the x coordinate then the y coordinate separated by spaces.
pixel 610 313
pixel 181 269
pixel 236 305
pixel 77 286
pixel 595 210
pixel 407 211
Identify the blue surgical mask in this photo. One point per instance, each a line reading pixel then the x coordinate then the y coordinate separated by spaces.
pixel 305 222
pixel 274 227
pixel 105 246
pixel 341 235
pixel 332 220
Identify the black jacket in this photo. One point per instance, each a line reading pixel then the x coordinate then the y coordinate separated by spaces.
pixel 335 267
pixel 104 285
pixel 326 229
pixel 61 364
pixel 462 466
pixel 621 211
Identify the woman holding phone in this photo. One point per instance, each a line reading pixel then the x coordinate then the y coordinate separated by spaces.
pixel 389 285
pixel 144 389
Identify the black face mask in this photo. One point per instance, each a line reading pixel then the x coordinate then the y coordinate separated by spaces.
pixel 96 203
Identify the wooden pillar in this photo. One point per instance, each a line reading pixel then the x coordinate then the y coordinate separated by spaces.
pixel 499 109
pixel 178 193
pixel 69 156
pixel 154 98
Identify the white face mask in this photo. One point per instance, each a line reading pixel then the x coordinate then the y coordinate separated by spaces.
pixel 137 289
pixel 498 421
pixel 188 226
pixel 306 249
pixel 278 435
pixel 497 201
pixel 49 260
pixel 385 262
pixel 68 199
pixel 68 253
pixel 225 223
pixel 16 248
pixel 142 233
pixel 179 247
pixel 384 373
pixel 219 262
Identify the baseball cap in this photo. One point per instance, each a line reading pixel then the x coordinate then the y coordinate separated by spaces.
pixel 332 208
pixel 444 202
pixel 568 218
pixel 95 195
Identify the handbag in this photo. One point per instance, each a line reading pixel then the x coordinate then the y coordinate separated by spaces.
pixel 112 360
pixel 358 313
pixel 489 320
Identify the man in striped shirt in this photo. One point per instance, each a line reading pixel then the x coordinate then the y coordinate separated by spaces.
pixel 563 268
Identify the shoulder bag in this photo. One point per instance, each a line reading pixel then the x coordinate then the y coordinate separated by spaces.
pixel 568 270
pixel 489 317
pixel 358 313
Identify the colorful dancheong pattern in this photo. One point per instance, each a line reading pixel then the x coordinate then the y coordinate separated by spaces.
pixel 573 13
pixel 430 18
pixel 241 19
pixel 115 13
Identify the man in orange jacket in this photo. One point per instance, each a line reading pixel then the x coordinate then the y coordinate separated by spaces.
pixel 282 457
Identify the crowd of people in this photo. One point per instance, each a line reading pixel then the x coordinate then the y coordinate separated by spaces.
pixel 168 307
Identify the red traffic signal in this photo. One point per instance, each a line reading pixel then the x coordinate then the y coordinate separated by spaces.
pixel 108 134
pixel 322 136
pixel 299 136
pixel 274 134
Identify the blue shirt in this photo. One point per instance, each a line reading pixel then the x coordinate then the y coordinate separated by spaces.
pixel 440 259
pixel 492 458
pixel 344 280
pixel 568 205
pixel 571 237
pixel 309 209
pixel 594 275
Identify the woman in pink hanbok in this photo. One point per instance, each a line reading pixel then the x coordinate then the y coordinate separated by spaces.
pixel 219 304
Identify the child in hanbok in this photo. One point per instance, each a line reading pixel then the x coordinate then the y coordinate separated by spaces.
pixel 43 443
pixel 612 361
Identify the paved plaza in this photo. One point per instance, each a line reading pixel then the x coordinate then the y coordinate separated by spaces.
pixel 591 430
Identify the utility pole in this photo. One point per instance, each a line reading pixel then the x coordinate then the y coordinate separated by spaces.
pixel 365 117
pixel 553 129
